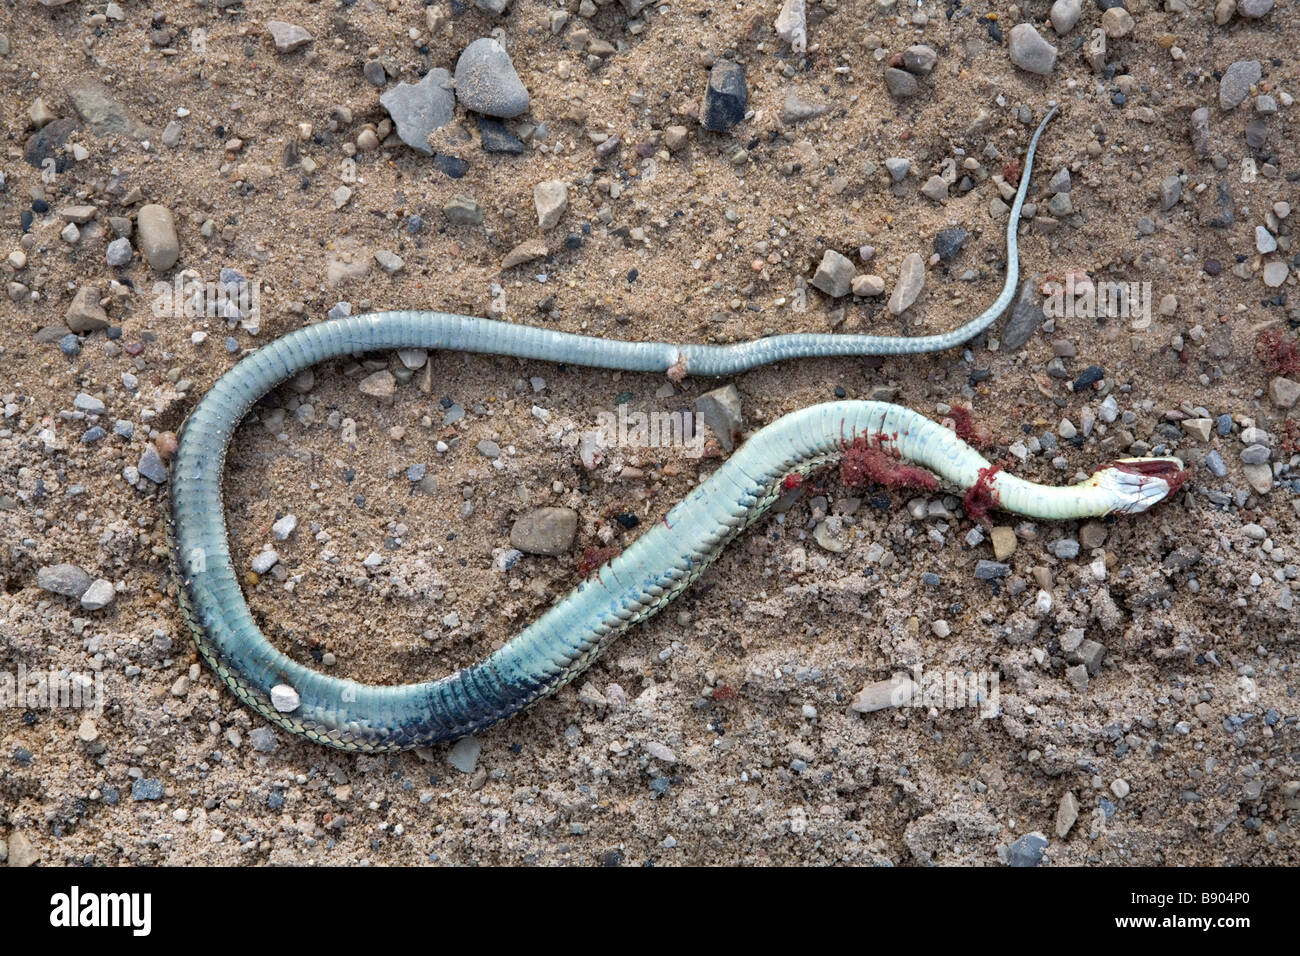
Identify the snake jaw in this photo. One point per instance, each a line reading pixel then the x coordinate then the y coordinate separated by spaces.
pixel 1138 483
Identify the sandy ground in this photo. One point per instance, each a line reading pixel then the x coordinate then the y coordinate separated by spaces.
pixel 720 732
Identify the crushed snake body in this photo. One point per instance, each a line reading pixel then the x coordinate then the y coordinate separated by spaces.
pixel 653 570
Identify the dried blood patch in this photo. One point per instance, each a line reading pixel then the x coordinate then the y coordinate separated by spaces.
pixel 962 421
pixel 866 462
pixel 1170 472
pixel 593 558
pixel 981 497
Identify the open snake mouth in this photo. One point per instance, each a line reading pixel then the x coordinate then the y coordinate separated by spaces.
pixel 1168 470
pixel 1139 483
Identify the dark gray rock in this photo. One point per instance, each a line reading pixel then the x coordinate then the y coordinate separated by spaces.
pixel 726 98
pixel 1026 316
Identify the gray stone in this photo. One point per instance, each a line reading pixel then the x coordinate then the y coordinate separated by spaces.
pixel 1026 316
pixel 99 595
pixel 119 252
pixel 287 37
pixel 834 274
pixel 911 279
pixel 419 109
pixel 494 7
pixel 1237 81
pixel 1031 52
pixel 381 385
pixel 1200 131
pixel 464 754
pixel 486 81
pixel 151 466
pixel 156 236
pixel 1065 14
pixel 1254 9
pixel 726 98
pixel 389 261
pixel 949 242
pixel 1171 190
pixel 986 570
pixel 146 788
pixel 920 59
pixel 22 852
pixel 463 210
pixel 898 168
pixel 1283 392
pixel 104 115
pixel 263 739
pixel 1027 851
pixel 69 580
pixel 545 531
pixel 900 83
pixel 285 699
pixel 792 24
pixel 796 109
pixel 721 411
pixel 935 188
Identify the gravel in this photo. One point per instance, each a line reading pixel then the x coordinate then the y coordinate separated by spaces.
pixel 549 531
pixel 1031 52
pixel 67 580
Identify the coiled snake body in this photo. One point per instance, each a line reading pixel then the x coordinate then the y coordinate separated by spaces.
pixel 657 567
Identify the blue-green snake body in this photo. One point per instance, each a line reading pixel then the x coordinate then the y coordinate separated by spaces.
pixel 657 567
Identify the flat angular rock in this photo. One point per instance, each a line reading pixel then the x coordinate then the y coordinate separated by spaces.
pixel 834 274
pixel 67 580
pixel 551 198
pixel 287 37
pixel 419 109
pixel 911 279
pixel 526 251
pixel 1237 81
pixel 103 114
pixel 721 411
pixel 156 236
pixel 85 314
pixel 895 692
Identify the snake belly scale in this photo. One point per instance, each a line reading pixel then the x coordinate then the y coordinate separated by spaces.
pixel 653 570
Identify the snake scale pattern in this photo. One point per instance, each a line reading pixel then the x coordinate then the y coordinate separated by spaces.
pixel 654 570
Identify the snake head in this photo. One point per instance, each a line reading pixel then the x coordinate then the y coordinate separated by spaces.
pixel 1138 483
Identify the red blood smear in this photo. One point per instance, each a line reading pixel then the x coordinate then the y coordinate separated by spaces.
pixel 724 692
pixel 864 462
pixel 593 558
pixel 981 497
pixel 1168 470
pixel 792 481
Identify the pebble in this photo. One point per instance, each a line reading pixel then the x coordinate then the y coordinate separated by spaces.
pixel 726 98
pixel 897 167
pixel 1264 241
pixel 900 83
pixel 551 199
pixel 834 274
pixel 156 236
pixel 381 385
pixel 67 580
pixel 496 137
pixel 284 527
pixel 1200 131
pixel 868 286
pixel 1259 477
pixel 949 242
pixel 1198 428
pixel 1214 462
pixel 1065 14
pixel 374 73
pixel 1237 81
pixel 1003 539
pixel 285 699
pixel 659 752
pixel 486 81
pixel 986 570
pixel 792 24
pixel 797 109
pixel 119 252
pixel 147 788
pixel 1120 788
pixel 920 59
pixel 549 531
pixel 894 692
pixel 85 314
pixel 1275 273
pixel 489 449
pixel 1027 851
pixel 1067 549
pixel 1031 52
pixel 1067 813
pixel 1254 9
pixel 526 251
pixel 389 261
pixel 151 466
pixel 99 595
pixel 263 739
pixel 419 109
pixel 463 210
pixel 464 754
pixel 1283 392
pixel 721 411
pixel 1117 22
pixel 264 561
pixel 911 279
pixel 287 37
